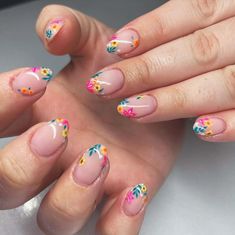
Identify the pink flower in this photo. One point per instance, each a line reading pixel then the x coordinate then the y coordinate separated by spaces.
pixel 129 197
pixel 202 121
pixel 65 123
pixel 90 85
pixel 114 37
pixel 105 161
pixel 129 113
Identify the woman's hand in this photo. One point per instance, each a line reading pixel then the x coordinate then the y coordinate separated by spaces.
pixel 137 153
pixel 182 65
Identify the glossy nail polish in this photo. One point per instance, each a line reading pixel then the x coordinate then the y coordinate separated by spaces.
pixel 135 200
pixel 137 106
pixel 105 82
pixel 123 42
pixel 52 28
pixel 50 137
pixel 91 165
pixel 32 81
pixel 209 126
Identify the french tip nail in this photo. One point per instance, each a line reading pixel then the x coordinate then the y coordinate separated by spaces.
pixel 90 166
pixel 32 80
pixel 135 200
pixel 53 28
pixel 209 126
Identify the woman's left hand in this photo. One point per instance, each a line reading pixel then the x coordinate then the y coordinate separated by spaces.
pixel 181 63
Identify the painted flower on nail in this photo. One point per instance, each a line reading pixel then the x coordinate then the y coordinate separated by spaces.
pixel 53 28
pixel 62 123
pixel 127 112
pixel 201 127
pixel 94 85
pixel 139 190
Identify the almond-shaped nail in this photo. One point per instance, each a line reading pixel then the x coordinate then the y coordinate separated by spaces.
pixel 137 106
pixel 53 28
pixel 135 200
pixel 50 137
pixel 105 82
pixel 32 81
pixel 209 126
pixel 91 165
pixel 123 42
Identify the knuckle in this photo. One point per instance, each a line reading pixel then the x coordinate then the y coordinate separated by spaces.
pixel 229 79
pixel 205 8
pixel 205 47
pixel 142 72
pixel 13 173
pixel 178 97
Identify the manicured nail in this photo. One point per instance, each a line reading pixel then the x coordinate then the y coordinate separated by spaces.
pixel 52 28
pixel 123 42
pixel 91 165
pixel 209 126
pixel 137 106
pixel 106 82
pixel 135 200
pixel 50 137
pixel 32 81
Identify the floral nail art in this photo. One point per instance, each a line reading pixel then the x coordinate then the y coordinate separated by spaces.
pixel 94 85
pixel 61 123
pixel 116 44
pixel 126 111
pixel 53 28
pixel 98 149
pixel 203 127
pixel 32 80
pixel 139 190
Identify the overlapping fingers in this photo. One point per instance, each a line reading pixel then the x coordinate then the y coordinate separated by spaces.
pixel 19 90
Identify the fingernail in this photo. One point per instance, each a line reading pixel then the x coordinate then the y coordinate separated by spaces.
pixel 106 82
pixel 209 126
pixel 52 28
pixel 135 200
pixel 50 137
pixel 123 42
pixel 91 165
pixel 32 81
pixel 137 106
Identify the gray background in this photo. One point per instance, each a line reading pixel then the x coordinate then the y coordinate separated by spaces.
pixel 197 198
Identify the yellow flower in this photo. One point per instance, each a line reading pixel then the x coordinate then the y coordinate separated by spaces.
pixel 97 87
pixel 45 71
pixel 82 161
pixel 103 150
pixel 65 133
pixel 55 26
pixel 114 43
pixel 144 189
pixel 208 123
pixel 136 43
pixel 119 108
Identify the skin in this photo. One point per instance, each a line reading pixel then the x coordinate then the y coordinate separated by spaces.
pixel 186 65
pixel 92 121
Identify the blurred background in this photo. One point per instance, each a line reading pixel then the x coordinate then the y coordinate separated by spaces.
pixel 197 198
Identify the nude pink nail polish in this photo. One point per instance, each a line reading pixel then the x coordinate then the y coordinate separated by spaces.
pixel 209 126
pixel 106 82
pixel 53 28
pixel 123 42
pixel 91 165
pixel 32 81
pixel 137 106
pixel 50 137
pixel 135 200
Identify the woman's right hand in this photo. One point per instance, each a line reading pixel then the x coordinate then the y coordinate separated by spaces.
pixel 43 153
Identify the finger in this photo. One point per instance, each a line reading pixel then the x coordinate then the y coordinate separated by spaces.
pixel 216 127
pixel 26 164
pixel 168 22
pixel 66 31
pixel 204 51
pixel 19 90
pixel 207 93
pixel 126 214
pixel 74 197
